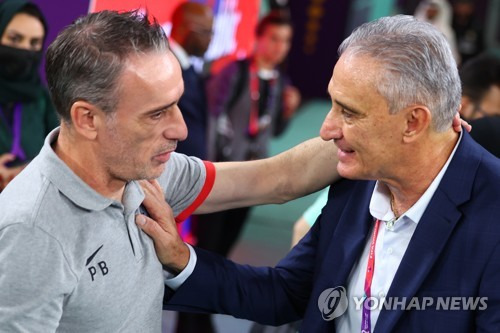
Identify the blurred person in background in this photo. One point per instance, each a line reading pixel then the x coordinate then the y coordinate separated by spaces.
pixel 26 112
pixel 192 25
pixel 251 101
pixel 480 78
pixel 439 14
pixel 468 29
pixel 305 222
pixel 192 30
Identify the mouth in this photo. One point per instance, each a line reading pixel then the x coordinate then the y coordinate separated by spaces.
pixel 344 152
pixel 164 156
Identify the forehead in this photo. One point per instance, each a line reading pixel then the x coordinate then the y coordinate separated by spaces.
pixel 205 18
pixel 277 29
pixel 355 70
pixel 354 81
pixel 26 24
pixel 150 80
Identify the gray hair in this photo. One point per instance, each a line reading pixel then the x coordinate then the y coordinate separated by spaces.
pixel 87 58
pixel 418 64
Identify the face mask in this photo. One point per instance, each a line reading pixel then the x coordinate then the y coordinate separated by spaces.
pixel 18 64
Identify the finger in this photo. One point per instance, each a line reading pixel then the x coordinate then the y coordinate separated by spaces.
pixel 6 158
pixel 160 211
pixel 169 247
pixel 456 121
pixel 466 125
pixel 149 226
pixel 153 190
pixel 145 185
pixel 156 186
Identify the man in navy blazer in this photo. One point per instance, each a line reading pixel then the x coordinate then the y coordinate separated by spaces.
pixel 411 243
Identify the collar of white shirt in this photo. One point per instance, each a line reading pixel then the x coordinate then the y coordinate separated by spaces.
pixel 380 203
pixel 180 53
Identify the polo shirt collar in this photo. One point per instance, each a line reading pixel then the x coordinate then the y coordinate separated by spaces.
pixel 74 188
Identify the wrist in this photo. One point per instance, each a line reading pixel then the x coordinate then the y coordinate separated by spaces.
pixel 179 262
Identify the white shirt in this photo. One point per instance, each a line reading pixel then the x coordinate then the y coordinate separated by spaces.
pixel 186 60
pixel 390 248
pixel 180 54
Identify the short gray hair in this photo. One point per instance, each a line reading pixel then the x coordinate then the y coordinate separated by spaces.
pixel 86 59
pixel 419 67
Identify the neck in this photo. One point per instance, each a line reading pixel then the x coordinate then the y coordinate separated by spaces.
pixel 85 164
pixel 422 165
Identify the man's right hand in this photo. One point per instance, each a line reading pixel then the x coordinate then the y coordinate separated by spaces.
pixel 8 173
pixel 172 252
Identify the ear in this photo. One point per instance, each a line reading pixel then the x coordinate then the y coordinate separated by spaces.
pixel 85 119
pixel 418 120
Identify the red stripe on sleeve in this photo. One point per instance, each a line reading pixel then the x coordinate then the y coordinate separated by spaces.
pixel 205 191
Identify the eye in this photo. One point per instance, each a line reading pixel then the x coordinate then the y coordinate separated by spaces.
pixel 36 44
pixel 15 39
pixel 157 115
pixel 346 114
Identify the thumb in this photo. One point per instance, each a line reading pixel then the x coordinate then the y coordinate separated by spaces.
pixel 149 226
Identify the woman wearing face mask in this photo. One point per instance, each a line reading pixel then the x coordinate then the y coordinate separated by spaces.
pixel 26 112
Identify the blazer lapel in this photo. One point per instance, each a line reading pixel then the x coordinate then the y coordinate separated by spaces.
pixel 426 245
pixel 433 230
pixel 349 237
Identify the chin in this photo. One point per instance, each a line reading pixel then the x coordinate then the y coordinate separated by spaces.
pixel 157 171
pixel 346 172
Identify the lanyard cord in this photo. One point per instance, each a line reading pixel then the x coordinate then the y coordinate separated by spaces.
pixel 15 129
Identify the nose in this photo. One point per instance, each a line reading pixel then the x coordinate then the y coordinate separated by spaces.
pixel 176 128
pixel 331 128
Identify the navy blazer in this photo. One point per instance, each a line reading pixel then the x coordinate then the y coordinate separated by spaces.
pixel 455 251
pixel 193 105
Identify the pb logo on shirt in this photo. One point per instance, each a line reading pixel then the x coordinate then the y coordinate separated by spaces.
pixel 100 268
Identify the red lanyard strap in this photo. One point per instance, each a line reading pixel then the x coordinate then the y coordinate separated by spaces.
pixel 254 124
pixel 370 270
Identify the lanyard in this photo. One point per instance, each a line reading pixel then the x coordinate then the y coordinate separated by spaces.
pixel 254 124
pixel 15 129
pixel 370 269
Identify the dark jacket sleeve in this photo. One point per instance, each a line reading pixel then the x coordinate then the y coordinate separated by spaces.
pixel 270 296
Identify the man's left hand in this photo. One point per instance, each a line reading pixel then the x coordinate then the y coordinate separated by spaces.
pixel 172 252
pixel 459 122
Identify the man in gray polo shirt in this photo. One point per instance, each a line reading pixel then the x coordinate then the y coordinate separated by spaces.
pixel 71 256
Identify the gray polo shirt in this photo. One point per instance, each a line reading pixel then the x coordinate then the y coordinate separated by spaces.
pixel 72 260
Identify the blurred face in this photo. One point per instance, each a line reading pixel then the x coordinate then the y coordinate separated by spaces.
pixel 490 103
pixel 368 137
pixel 138 138
pixel 432 12
pixel 24 32
pixel 200 34
pixel 488 106
pixel 463 9
pixel 274 43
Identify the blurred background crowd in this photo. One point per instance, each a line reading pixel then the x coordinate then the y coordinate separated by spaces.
pixel 254 74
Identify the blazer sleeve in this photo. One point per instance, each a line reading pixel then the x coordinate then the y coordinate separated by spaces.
pixel 271 296
pixel 488 319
